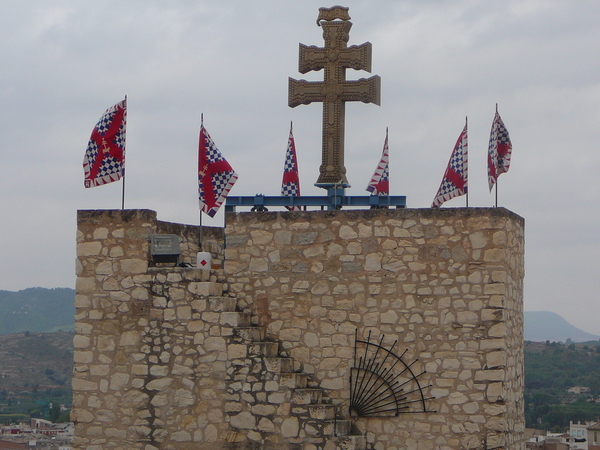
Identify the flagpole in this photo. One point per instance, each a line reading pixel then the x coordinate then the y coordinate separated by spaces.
pixel 200 230
pixel 497 174
pixel 200 233
pixel 123 193
pixel 467 193
pixel 496 192
pixel 123 167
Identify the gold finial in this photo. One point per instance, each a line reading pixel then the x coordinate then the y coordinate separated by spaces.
pixel 335 12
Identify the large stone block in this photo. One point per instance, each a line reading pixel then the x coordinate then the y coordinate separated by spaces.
pixel 80 341
pixel 134 266
pixel 89 249
pixel 206 288
pixel 129 338
pixel 244 421
pixel 79 384
pixel 290 427
pixel 85 285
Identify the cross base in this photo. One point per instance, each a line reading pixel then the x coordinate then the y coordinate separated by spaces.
pixel 336 194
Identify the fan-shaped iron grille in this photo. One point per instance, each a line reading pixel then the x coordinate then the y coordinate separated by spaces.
pixel 383 383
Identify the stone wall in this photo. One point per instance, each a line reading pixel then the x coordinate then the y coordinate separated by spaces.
pixel 446 283
pixel 259 355
pixel 135 325
pixel 114 235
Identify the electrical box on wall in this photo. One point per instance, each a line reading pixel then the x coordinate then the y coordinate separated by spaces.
pixel 165 248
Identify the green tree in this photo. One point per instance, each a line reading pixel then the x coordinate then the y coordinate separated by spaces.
pixel 54 412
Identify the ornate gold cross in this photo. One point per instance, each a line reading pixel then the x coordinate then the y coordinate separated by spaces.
pixel 105 148
pixel 334 91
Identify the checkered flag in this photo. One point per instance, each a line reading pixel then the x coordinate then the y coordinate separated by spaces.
pixel 104 160
pixel 499 150
pixel 454 183
pixel 215 175
pixel 290 186
pixel 380 183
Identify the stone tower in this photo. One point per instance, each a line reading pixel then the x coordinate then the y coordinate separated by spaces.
pixel 257 353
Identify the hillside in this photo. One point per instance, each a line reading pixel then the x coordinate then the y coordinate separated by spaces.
pixel 542 326
pixel 35 373
pixel 37 310
pixel 36 361
pixel 550 369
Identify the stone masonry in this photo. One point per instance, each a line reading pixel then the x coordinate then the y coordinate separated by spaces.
pixel 257 353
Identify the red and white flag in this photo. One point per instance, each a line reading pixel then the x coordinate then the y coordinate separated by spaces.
pixel 499 150
pixel 290 186
pixel 454 182
pixel 104 160
pixel 380 184
pixel 215 175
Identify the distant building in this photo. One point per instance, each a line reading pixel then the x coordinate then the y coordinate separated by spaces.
pixel 594 436
pixel 47 428
pixel 16 429
pixel 40 424
pixel 542 440
pixel 585 436
pixel 12 445
pixel 40 434
pixel 578 390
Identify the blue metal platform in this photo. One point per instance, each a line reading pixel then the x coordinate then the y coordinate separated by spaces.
pixel 336 199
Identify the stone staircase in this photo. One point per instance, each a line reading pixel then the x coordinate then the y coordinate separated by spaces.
pixel 278 404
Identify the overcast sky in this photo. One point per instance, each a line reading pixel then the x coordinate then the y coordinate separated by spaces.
pixel 62 63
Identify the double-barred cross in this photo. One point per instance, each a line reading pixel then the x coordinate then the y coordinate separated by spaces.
pixel 334 91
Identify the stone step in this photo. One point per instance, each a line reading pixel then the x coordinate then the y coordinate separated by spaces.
pixel 282 365
pixel 206 288
pixel 322 411
pixel 353 442
pixel 217 273
pixel 267 349
pixel 234 319
pixel 254 317
pixel 307 396
pixel 221 304
pixel 339 428
pixel 250 334
pixel 293 380
pixel 200 275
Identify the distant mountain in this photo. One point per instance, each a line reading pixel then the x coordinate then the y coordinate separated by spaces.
pixel 37 310
pixel 541 326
